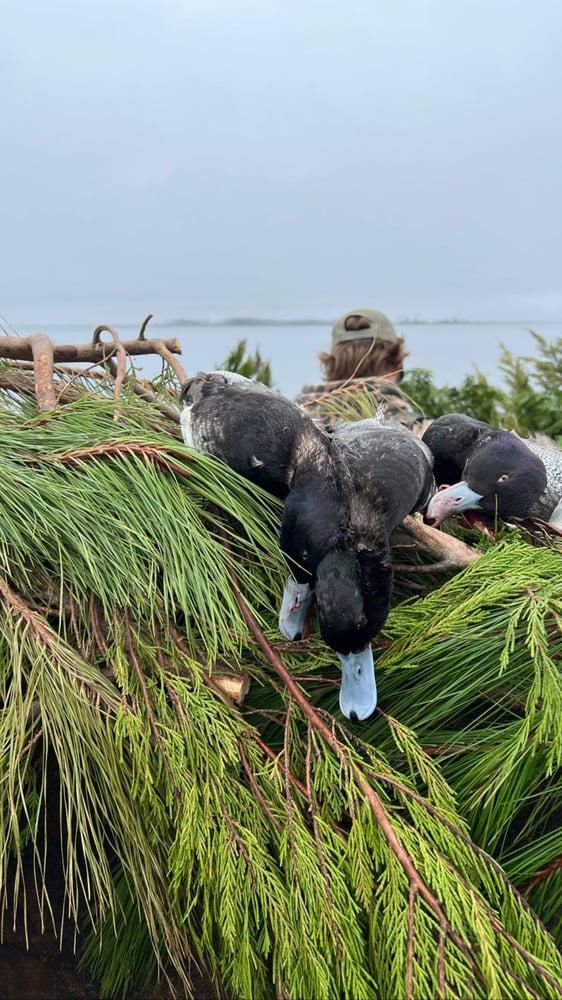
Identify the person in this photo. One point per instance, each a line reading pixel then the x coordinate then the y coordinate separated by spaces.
pixel 367 356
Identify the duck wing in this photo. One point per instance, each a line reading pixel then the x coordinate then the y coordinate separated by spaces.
pixel 389 469
pixel 548 507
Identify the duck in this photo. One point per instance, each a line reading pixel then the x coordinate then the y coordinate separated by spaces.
pixel 338 512
pixel 493 471
pixel 273 443
pixel 384 473
pixel 222 413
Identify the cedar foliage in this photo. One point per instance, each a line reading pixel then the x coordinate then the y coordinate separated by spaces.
pixel 528 402
pixel 291 853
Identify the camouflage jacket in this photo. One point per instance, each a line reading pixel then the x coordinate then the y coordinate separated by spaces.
pixel 319 400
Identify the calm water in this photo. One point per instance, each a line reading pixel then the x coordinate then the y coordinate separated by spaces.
pixel 449 351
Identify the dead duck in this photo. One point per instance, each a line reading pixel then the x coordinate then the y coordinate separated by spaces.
pixel 338 510
pixel 493 471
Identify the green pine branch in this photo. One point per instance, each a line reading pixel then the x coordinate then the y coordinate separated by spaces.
pixel 290 853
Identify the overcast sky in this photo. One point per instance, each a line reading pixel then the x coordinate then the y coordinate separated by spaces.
pixel 283 158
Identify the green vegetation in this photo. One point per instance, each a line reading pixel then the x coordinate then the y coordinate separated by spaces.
pixel 285 850
pixel 252 365
pixel 530 403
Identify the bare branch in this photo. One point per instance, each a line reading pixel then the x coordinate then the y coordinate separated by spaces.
pixel 121 356
pixel 161 348
pixel 451 553
pixel 43 359
pixel 20 349
pixel 144 325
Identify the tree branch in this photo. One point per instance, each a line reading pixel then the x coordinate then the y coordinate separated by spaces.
pixel 450 552
pixel 42 354
pixel 21 348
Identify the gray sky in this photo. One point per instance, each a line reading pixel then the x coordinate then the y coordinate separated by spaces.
pixel 286 158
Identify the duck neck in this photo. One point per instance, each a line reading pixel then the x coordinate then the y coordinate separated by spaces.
pixel 312 522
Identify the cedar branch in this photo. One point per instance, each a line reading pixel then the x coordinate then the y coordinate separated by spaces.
pixel 363 784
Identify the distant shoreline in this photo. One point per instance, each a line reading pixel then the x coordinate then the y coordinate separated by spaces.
pixel 249 321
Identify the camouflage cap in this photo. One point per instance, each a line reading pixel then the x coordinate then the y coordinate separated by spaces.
pixel 375 324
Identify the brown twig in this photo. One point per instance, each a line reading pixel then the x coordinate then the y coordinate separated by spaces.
pixel 157 454
pixel 121 356
pixel 143 326
pixel 31 743
pixel 411 941
pixel 544 874
pixel 288 796
pixel 161 349
pixel 236 837
pixel 43 360
pixel 257 790
pixel 487 858
pixel 278 762
pixel 441 964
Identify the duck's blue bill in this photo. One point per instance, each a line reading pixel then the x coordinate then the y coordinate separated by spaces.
pixel 358 690
pixel 452 500
pixel 293 616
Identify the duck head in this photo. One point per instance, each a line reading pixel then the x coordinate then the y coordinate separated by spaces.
pixel 353 601
pixel 501 477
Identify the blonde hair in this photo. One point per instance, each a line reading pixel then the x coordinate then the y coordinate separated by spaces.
pixel 363 358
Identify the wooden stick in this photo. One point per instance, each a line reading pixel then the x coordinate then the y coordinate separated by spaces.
pixel 21 349
pixel 236 686
pixel 450 552
pixel 42 353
